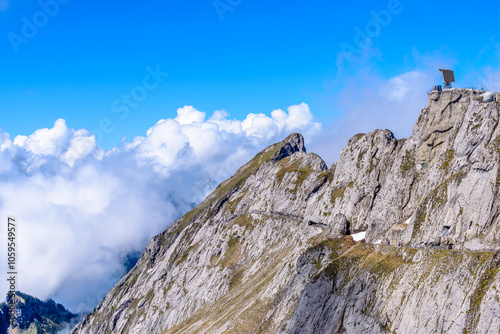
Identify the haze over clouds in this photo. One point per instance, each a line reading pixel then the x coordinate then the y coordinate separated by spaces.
pixel 366 100
pixel 392 104
pixel 82 209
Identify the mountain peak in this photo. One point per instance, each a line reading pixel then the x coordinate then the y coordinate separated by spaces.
pixel 291 144
pixel 34 315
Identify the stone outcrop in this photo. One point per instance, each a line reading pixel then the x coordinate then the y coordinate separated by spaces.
pixel 34 316
pixel 270 251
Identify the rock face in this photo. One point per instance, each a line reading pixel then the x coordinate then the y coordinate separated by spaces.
pixel 35 316
pixel 269 250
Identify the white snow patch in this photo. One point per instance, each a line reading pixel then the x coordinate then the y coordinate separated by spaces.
pixel 378 242
pixel 358 236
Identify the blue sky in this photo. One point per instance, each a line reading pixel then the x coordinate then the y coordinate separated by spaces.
pixel 261 56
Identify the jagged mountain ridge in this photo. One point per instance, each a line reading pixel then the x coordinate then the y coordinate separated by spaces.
pixel 34 316
pixel 267 252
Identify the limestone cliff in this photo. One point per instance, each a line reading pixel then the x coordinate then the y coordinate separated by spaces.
pixel 270 251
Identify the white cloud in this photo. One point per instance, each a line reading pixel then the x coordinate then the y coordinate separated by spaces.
pixel 46 141
pixel 258 125
pixel 398 88
pixel 81 145
pixel 5 142
pixel 174 143
pixel 298 117
pixel 81 209
pixel 189 115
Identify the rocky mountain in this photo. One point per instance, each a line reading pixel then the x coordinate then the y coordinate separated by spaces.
pixel 273 249
pixel 35 316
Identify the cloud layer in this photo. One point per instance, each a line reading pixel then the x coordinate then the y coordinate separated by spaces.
pixel 81 210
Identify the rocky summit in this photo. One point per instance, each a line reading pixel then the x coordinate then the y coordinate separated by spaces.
pixel 398 236
pixel 34 316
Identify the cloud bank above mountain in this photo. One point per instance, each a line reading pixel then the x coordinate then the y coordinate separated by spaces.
pixel 81 209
